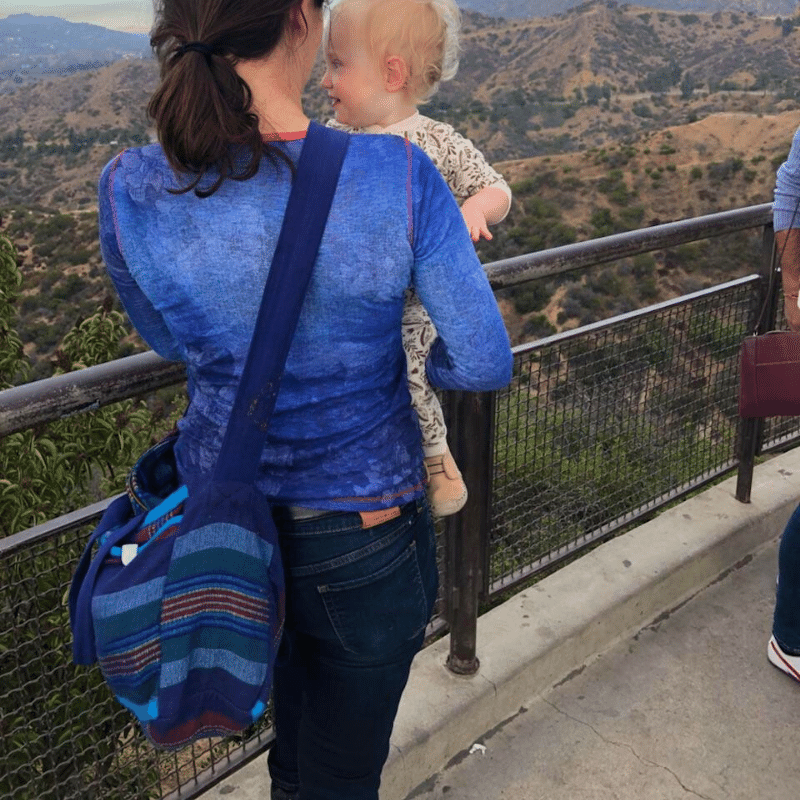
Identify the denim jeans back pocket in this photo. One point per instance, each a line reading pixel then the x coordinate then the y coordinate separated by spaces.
pixel 380 612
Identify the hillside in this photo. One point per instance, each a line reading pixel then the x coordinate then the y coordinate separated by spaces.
pixel 600 73
pixel 724 161
pixel 603 120
pixel 525 88
pixel 522 9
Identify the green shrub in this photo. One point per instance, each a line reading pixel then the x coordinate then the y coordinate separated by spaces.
pixel 631 218
pixel 532 296
pixel 643 265
pixel 68 287
pixel 706 330
pixel 776 161
pixel 537 327
pixel 64 735
pixel 607 282
pixel 648 288
pixel 602 222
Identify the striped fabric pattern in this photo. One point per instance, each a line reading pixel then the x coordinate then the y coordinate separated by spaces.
pixel 186 631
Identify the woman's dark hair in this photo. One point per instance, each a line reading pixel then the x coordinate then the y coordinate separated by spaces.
pixel 202 107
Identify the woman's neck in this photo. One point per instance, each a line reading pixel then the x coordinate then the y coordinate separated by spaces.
pixel 275 95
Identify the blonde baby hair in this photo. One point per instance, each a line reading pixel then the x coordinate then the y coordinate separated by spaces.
pixel 424 33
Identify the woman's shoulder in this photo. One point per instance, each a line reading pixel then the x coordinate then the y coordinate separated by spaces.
pixel 376 152
pixel 388 153
pixel 138 165
pixel 151 154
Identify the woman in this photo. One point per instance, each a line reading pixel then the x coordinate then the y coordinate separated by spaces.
pixel 188 228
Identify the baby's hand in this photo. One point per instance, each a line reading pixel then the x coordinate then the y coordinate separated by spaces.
pixel 476 221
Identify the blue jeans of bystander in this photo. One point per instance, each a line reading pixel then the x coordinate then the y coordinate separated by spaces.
pixel 358 601
pixel 786 622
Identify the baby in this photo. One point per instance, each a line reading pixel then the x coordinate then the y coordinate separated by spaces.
pixel 384 58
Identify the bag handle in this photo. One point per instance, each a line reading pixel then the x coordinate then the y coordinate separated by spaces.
pixel 775 262
pixel 304 222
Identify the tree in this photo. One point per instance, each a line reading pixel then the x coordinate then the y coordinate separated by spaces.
pixel 53 748
pixel 687 85
pixel 12 358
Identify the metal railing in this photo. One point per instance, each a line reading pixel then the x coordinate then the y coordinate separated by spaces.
pixel 600 427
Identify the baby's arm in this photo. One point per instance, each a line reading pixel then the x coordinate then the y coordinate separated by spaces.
pixel 469 175
pixel 485 208
pixel 471 351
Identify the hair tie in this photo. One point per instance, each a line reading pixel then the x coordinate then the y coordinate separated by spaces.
pixel 199 47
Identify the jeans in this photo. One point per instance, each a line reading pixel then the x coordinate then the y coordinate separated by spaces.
pixel 358 601
pixel 786 622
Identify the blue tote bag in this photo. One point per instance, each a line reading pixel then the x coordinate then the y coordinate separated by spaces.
pixel 182 603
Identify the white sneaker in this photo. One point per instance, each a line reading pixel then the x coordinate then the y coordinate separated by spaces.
pixel 783 661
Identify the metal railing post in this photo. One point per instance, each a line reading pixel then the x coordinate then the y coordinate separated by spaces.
pixel 751 430
pixel 467 533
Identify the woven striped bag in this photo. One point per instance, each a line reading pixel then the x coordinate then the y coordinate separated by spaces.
pixel 182 604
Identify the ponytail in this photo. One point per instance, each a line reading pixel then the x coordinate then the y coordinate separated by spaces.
pixel 202 108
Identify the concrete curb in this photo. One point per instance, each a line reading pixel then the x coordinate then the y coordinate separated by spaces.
pixel 547 632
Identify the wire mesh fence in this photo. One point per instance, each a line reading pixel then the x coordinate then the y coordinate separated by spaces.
pixel 64 735
pixel 602 425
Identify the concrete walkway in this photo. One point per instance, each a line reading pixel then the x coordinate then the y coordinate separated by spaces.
pixel 687 708
pixel 639 670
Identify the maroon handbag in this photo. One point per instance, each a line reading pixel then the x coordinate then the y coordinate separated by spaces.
pixel 770 375
pixel 769 365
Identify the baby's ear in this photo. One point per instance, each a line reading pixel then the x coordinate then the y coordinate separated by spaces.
pixel 395 74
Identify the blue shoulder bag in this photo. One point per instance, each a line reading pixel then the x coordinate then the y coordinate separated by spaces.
pixel 182 604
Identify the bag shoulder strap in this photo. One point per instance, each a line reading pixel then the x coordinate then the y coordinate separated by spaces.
pixel 773 271
pixel 310 199
pixel 774 268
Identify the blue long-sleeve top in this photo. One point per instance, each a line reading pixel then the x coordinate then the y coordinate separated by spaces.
pixel 785 213
pixel 191 271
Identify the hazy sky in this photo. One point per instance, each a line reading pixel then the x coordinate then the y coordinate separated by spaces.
pixel 135 16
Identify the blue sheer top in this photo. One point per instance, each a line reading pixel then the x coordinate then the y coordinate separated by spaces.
pixel 191 271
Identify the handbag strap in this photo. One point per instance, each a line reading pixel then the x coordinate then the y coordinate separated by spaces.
pixel 409 203
pixel 775 261
pixel 310 199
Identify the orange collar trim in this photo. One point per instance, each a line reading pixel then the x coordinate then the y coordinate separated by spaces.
pixel 283 137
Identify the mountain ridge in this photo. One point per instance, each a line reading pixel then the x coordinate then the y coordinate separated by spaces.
pixel 526 9
pixel 35 47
